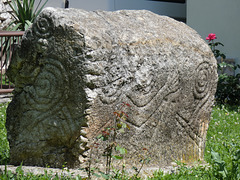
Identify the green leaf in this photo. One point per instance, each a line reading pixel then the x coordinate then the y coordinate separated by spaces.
pixel 97 175
pixel 121 130
pixel 105 176
pixel 223 173
pixel 218 43
pixel 16 27
pixel 216 157
pixel 27 25
pixel 19 170
pixel 121 149
pixel 117 157
pixel 237 155
pixel 124 125
pixel 99 136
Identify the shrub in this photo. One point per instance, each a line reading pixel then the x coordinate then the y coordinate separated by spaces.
pixel 228 87
pixel 24 13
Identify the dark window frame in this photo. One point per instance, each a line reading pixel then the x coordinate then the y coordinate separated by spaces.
pixel 66 5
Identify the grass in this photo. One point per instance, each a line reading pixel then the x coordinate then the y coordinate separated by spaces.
pixel 223 132
pixel 21 175
pixel 4 146
pixel 4 79
pixel 222 151
pixel 223 142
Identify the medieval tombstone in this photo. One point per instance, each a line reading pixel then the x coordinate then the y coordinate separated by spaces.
pixel 73 70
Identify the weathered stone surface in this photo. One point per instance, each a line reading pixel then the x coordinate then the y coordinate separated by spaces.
pixel 74 68
pixel 5 17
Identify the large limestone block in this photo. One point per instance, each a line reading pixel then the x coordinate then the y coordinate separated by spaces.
pixel 74 68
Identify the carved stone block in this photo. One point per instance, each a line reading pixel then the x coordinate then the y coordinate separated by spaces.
pixel 73 70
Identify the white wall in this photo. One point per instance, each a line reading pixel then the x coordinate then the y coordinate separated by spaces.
pixel 162 8
pixel 221 17
pixel 52 3
pixel 107 5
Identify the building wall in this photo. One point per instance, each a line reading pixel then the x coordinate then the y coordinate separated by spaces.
pixel 107 5
pixel 175 10
pixel 53 3
pixel 220 17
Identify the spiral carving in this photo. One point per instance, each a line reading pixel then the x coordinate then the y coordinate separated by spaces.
pixel 43 27
pixel 202 82
pixel 50 86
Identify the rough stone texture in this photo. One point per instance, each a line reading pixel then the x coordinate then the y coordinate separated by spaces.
pixel 5 17
pixel 74 68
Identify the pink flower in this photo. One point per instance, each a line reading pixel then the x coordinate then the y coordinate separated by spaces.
pixel 211 37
